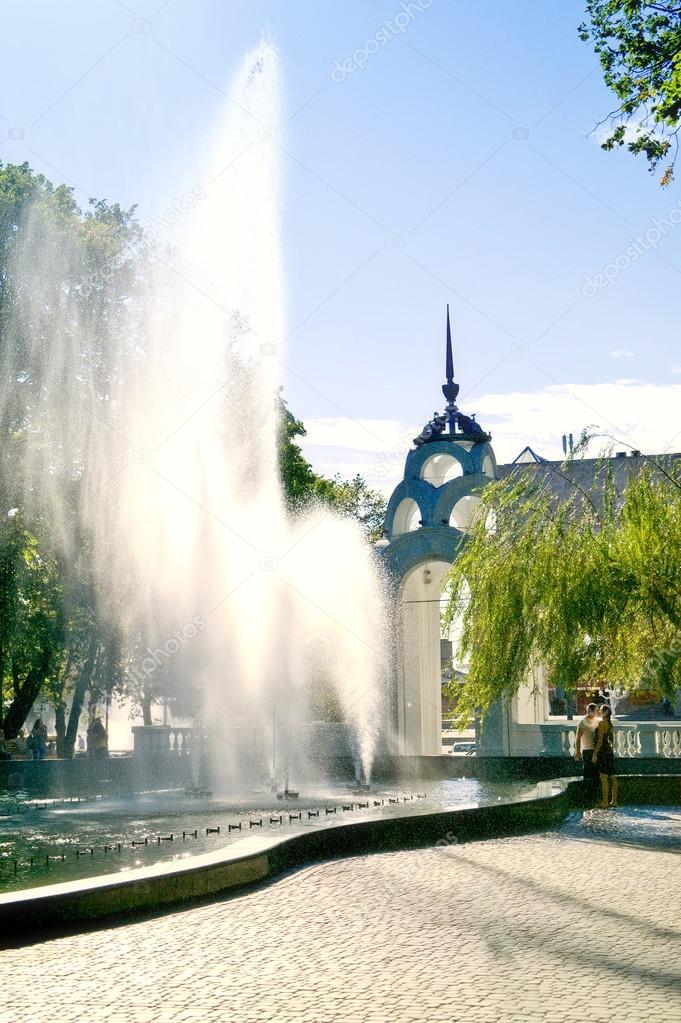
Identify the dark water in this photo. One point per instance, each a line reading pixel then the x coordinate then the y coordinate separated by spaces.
pixel 80 831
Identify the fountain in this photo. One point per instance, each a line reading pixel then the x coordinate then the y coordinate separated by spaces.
pixel 179 499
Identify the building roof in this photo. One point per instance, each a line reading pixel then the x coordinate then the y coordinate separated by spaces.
pixel 528 454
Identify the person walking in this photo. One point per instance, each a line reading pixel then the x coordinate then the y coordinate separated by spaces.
pixel 604 757
pixel 584 748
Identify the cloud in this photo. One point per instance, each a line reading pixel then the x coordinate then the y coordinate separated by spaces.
pixel 622 353
pixel 676 368
pixel 632 130
pixel 637 414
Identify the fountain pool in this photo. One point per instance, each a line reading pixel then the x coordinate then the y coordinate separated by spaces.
pixel 59 828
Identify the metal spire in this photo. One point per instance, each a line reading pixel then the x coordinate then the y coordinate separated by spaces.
pixel 450 360
pixel 450 389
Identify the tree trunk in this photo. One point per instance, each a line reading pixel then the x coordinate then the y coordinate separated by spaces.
pixel 60 727
pixel 60 706
pixel 79 692
pixel 2 682
pixel 25 695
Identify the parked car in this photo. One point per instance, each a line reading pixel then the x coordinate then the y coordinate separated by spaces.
pixel 464 748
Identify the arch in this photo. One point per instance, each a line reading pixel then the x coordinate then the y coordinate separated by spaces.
pixel 454 449
pixel 451 493
pixel 421 493
pixel 441 468
pixel 439 492
pixel 465 513
pixel 485 462
pixel 410 550
pixel 407 517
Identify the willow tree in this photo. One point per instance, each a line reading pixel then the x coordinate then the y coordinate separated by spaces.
pixel 582 578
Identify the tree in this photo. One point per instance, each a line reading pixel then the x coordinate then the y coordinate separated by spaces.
pixel 354 499
pixel 638 44
pixel 31 621
pixel 303 486
pixel 298 479
pixel 67 279
pixel 584 580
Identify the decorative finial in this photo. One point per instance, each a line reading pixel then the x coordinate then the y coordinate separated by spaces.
pixel 450 389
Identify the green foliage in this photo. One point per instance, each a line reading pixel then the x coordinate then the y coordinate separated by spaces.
pixel 355 499
pixel 303 487
pixel 639 47
pixel 80 271
pixel 31 620
pixel 583 580
pixel 299 481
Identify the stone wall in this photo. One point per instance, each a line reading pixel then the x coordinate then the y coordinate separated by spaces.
pixel 111 776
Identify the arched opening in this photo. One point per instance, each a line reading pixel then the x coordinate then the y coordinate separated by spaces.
pixel 440 469
pixel 465 513
pixel 454 673
pixel 488 466
pixel 407 517
pixel 425 658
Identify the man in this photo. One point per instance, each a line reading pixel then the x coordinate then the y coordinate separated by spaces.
pixel 584 748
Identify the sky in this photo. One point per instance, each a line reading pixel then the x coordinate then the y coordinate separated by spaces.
pixel 432 152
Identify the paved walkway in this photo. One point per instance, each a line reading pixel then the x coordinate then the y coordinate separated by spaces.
pixel 578 924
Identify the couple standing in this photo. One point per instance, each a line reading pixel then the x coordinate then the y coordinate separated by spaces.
pixel 594 747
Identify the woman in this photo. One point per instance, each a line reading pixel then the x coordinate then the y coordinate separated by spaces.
pixel 604 757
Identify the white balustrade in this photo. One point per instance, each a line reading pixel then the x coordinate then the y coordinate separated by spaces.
pixel 162 740
pixel 631 739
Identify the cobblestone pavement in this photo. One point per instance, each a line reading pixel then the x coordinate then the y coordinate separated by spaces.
pixel 579 923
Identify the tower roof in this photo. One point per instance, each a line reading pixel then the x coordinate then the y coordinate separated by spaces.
pixel 451 424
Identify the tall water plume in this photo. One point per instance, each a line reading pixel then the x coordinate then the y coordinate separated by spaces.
pixel 178 502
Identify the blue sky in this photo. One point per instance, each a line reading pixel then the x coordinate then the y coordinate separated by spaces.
pixel 454 165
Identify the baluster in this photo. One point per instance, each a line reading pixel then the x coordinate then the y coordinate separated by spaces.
pixel 676 743
pixel 631 742
pixel 572 739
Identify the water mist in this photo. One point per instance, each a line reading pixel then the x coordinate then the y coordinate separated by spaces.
pixel 179 493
